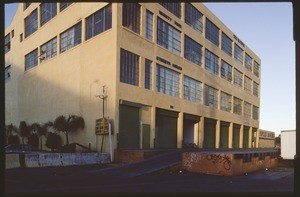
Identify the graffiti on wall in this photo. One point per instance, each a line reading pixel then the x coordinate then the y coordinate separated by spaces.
pixel 218 158
pixel 189 162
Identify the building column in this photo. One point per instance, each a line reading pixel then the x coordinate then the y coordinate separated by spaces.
pixel 152 127
pixel 217 140
pixel 241 136
pixel 250 137
pixel 257 139
pixel 201 132
pixel 179 130
pixel 230 135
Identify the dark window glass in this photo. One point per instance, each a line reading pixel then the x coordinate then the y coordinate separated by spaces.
pixel 148 74
pixel 70 37
pixel 31 59
pixel 225 102
pixel 210 96
pixel 248 62
pixel 255 113
pixel 247 84
pixel 26 5
pixel 149 25
pixel 167 81
pixel 174 8
pixel 256 69
pixel 12 33
pixel 168 37
pixel 255 88
pixel 63 6
pixel 129 71
pixel 226 71
pixel 192 50
pixel 212 32
pixel 247 110
pixel 7 73
pixel 132 16
pixel 47 11
pixel 226 44
pixel 7 43
pixel 193 17
pixel 238 78
pixel 48 50
pixel 238 53
pixel 192 89
pixel 21 37
pixel 237 106
pixel 98 22
pixel 211 62
pixel 31 23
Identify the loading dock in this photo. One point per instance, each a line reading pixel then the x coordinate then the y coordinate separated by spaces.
pixel 190 129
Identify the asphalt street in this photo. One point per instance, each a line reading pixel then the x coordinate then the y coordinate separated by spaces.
pixel 84 180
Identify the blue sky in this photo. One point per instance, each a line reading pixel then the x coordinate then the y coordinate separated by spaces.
pixel 267 29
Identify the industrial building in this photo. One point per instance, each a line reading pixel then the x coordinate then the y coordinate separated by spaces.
pixel 266 139
pixel 173 73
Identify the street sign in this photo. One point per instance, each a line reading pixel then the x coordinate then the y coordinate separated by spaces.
pixel 101 126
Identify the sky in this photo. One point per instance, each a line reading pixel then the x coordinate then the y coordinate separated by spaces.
pixel 267 29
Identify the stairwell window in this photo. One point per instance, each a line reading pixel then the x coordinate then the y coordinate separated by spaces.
pixel 98 22
pixel 48 50
pixel 31 59
pixel 70 38
pixel 31 23
pixel 132 16
pixel 47 11
pixel 129 68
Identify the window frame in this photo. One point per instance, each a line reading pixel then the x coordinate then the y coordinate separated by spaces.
pixel 34 53
pixel 192 89
pixel 129 62
pixel 211 62
pixel 44 12
pixel 192 50
pixel 193 17
pixel 74 44
pixel 32 24
pixel 210 33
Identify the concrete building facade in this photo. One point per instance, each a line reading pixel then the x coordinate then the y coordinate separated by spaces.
pixel 173 73
pixel 266 139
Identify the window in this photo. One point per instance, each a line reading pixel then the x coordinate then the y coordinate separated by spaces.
pixel 247 110
pixel 129 71
pixel 98 22
pixel 193 18
pixel 31 59
pixel 255 112
pixel 225 102
pixel 70 37
pixel 7 73
pixel 238 53
pixel 237 106
pixel 31 23
pixel 192 50
pixel 149 25
pixel 168 37
pixel 48 11
pixel 248 62
pixel 226 44
pixel 226 71
pixel 48 50
pixel 210 96
pixel 148 74
pixel 12 33
pixel 247 84
pixel 256 69
pixel 255 88
pixel 174 8
pixel 26 5
pixel 167 81
pixel 7 43
pixel 238 78
pixel 21 37
pixel 63 6
pixel 212 32
pixel 192 89
pixel 132 16
pixel 211 62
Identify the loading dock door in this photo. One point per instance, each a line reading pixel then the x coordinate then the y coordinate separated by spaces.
pixel 246 137
pixel 166 129
pixel 146 136
pixel 236 136
pixel 209 133
pixel 129 127
pixel 224 135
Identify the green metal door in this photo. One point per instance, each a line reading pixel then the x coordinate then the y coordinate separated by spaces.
pixel 129 127
pixel 224 135
pixel 209 133
pixel 246 137
pixel 236 137
pixel 146 136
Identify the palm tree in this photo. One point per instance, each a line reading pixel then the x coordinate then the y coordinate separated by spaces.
pixel 72 124
pixel 43 130
pixel 24 130
pixel 53 141
pixel 10 138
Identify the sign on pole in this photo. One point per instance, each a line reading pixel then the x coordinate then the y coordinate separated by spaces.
pixel 101 126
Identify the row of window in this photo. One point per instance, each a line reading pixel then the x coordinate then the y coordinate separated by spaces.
pixel 47 12
pixel 170 38
pixel 96 23
pixel 167 82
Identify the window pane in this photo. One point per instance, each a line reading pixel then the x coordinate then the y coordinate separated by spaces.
pixel 255 88
pixel 212 32
pixel 248 84
pixel 149 25
pixel 247 110
pixel 70 38
pixel 174 8
pixel 238 78
pixel 47 11
pixel 248 62
pixel 31 59
pixel 238 54
pixel 225 102
pixel 256 69
pixel 48 50
pixel 148 74
pixel 7 43
pixel 192 50
pixel 192 89
pixel 211 62
pixel 63 6
pixel 7 73
pixel 167 81
pixel 31 23
pixel 129 71
pixel 210 96
pixel 226 44
pixel 255 112
pixel 226 71
pixel 193 17
pixel 237 106
pixel 132 16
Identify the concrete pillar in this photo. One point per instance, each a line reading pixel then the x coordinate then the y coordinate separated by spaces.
pixel 218 127
pixel 257 138
pixel 250 138
pixel 230 135
pixel 241 136
pixel 152 126
pixel 201 132
pixel 196 133
pixel 179 130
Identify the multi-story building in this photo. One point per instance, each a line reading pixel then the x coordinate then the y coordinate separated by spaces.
pixel 173 72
